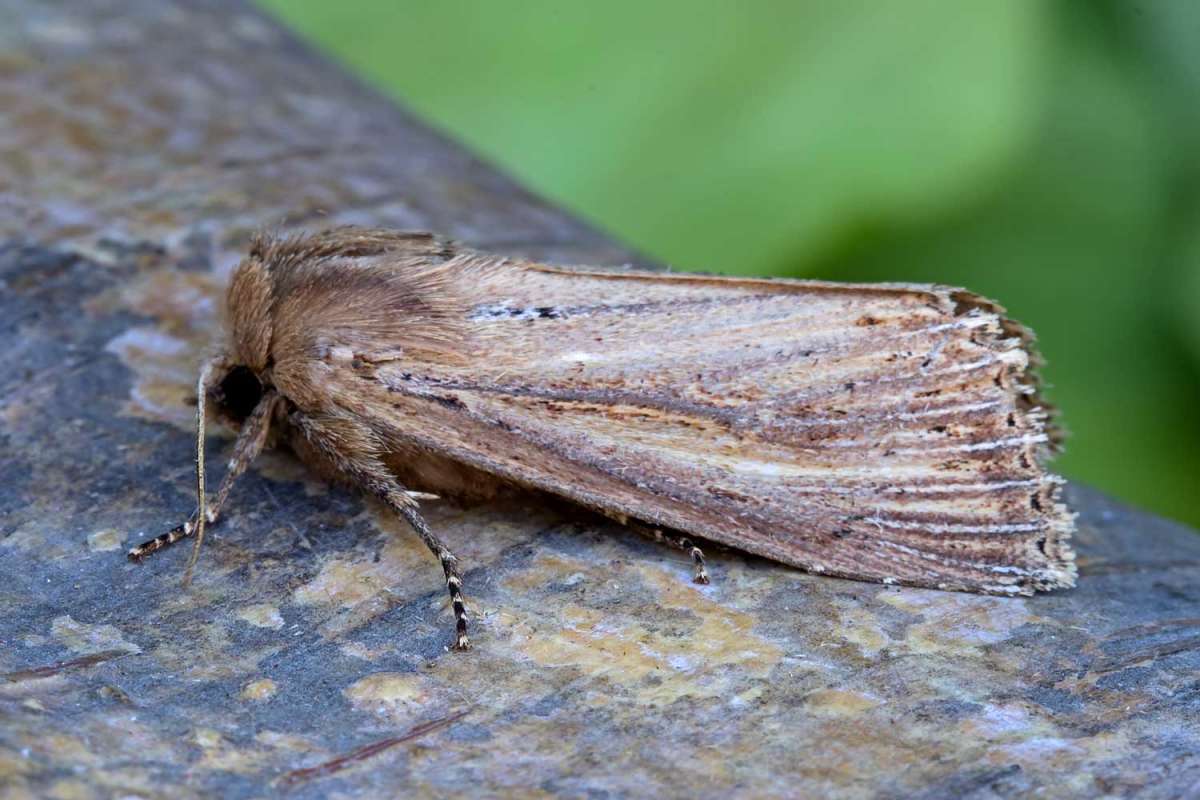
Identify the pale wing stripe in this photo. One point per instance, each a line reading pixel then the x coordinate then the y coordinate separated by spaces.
pixel 840 473
pixel 912 551
pixel 968 487
pixel 977 446
pixel 823 389
pixel 783 349
pixel 933 527
pixel 948 488
pixel 786 335
pixel 838 329
pixel 864 345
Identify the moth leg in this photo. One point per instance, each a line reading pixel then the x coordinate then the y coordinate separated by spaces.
pixel 249 444
pixel 402 503
pixel 679 542
pixel 352 449
pixel 167 539
pixel 700 574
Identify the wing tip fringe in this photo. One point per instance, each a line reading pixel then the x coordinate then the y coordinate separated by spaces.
pixel 1058 569
pixel 1029 376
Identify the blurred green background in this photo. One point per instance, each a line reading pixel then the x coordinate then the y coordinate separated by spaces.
pixel 1046 154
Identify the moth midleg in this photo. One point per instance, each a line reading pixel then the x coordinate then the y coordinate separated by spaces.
pixel 401 502
pixel 249 444
pixel 351 448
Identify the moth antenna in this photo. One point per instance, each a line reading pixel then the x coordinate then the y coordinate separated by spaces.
pixel 202 386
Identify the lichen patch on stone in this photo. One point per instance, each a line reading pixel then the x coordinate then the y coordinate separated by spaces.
pixel 259 690
pixel 261 615
pixel 642 655
pixel 953 622
pixel 82 637
pixel 105 541
pixel 400 695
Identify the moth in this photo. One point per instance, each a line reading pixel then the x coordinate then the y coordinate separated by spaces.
pixel 880 432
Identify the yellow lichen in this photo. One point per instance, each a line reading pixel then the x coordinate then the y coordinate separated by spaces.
pixel 954 623
pixel 261 615
pixel 348 581
pixel 105 540
pixel 391 694
pixel 861 627
pixel 259 690
pixel 716 655
pixel 840 702
pixel 84 638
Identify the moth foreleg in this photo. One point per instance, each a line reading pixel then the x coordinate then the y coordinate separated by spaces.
pixel 249 444
pixel 167 539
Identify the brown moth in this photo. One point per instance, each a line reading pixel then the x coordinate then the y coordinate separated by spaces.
pixel 881 432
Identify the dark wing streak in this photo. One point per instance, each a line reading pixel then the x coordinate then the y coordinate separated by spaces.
pixel 499 313
pixel 429 385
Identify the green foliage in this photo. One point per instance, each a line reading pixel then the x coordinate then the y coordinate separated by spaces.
pixel 1046 154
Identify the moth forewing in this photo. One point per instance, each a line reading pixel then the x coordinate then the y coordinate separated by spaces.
pixel 887 433
pixel 883 432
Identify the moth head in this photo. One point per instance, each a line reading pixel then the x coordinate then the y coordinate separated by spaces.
pixel 235 391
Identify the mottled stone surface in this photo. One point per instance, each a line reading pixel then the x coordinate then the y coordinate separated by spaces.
pixel 137 150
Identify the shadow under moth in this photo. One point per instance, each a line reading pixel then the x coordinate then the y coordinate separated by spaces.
pixel 881 432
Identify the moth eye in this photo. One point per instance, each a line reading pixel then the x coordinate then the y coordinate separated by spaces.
pixel 240 392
